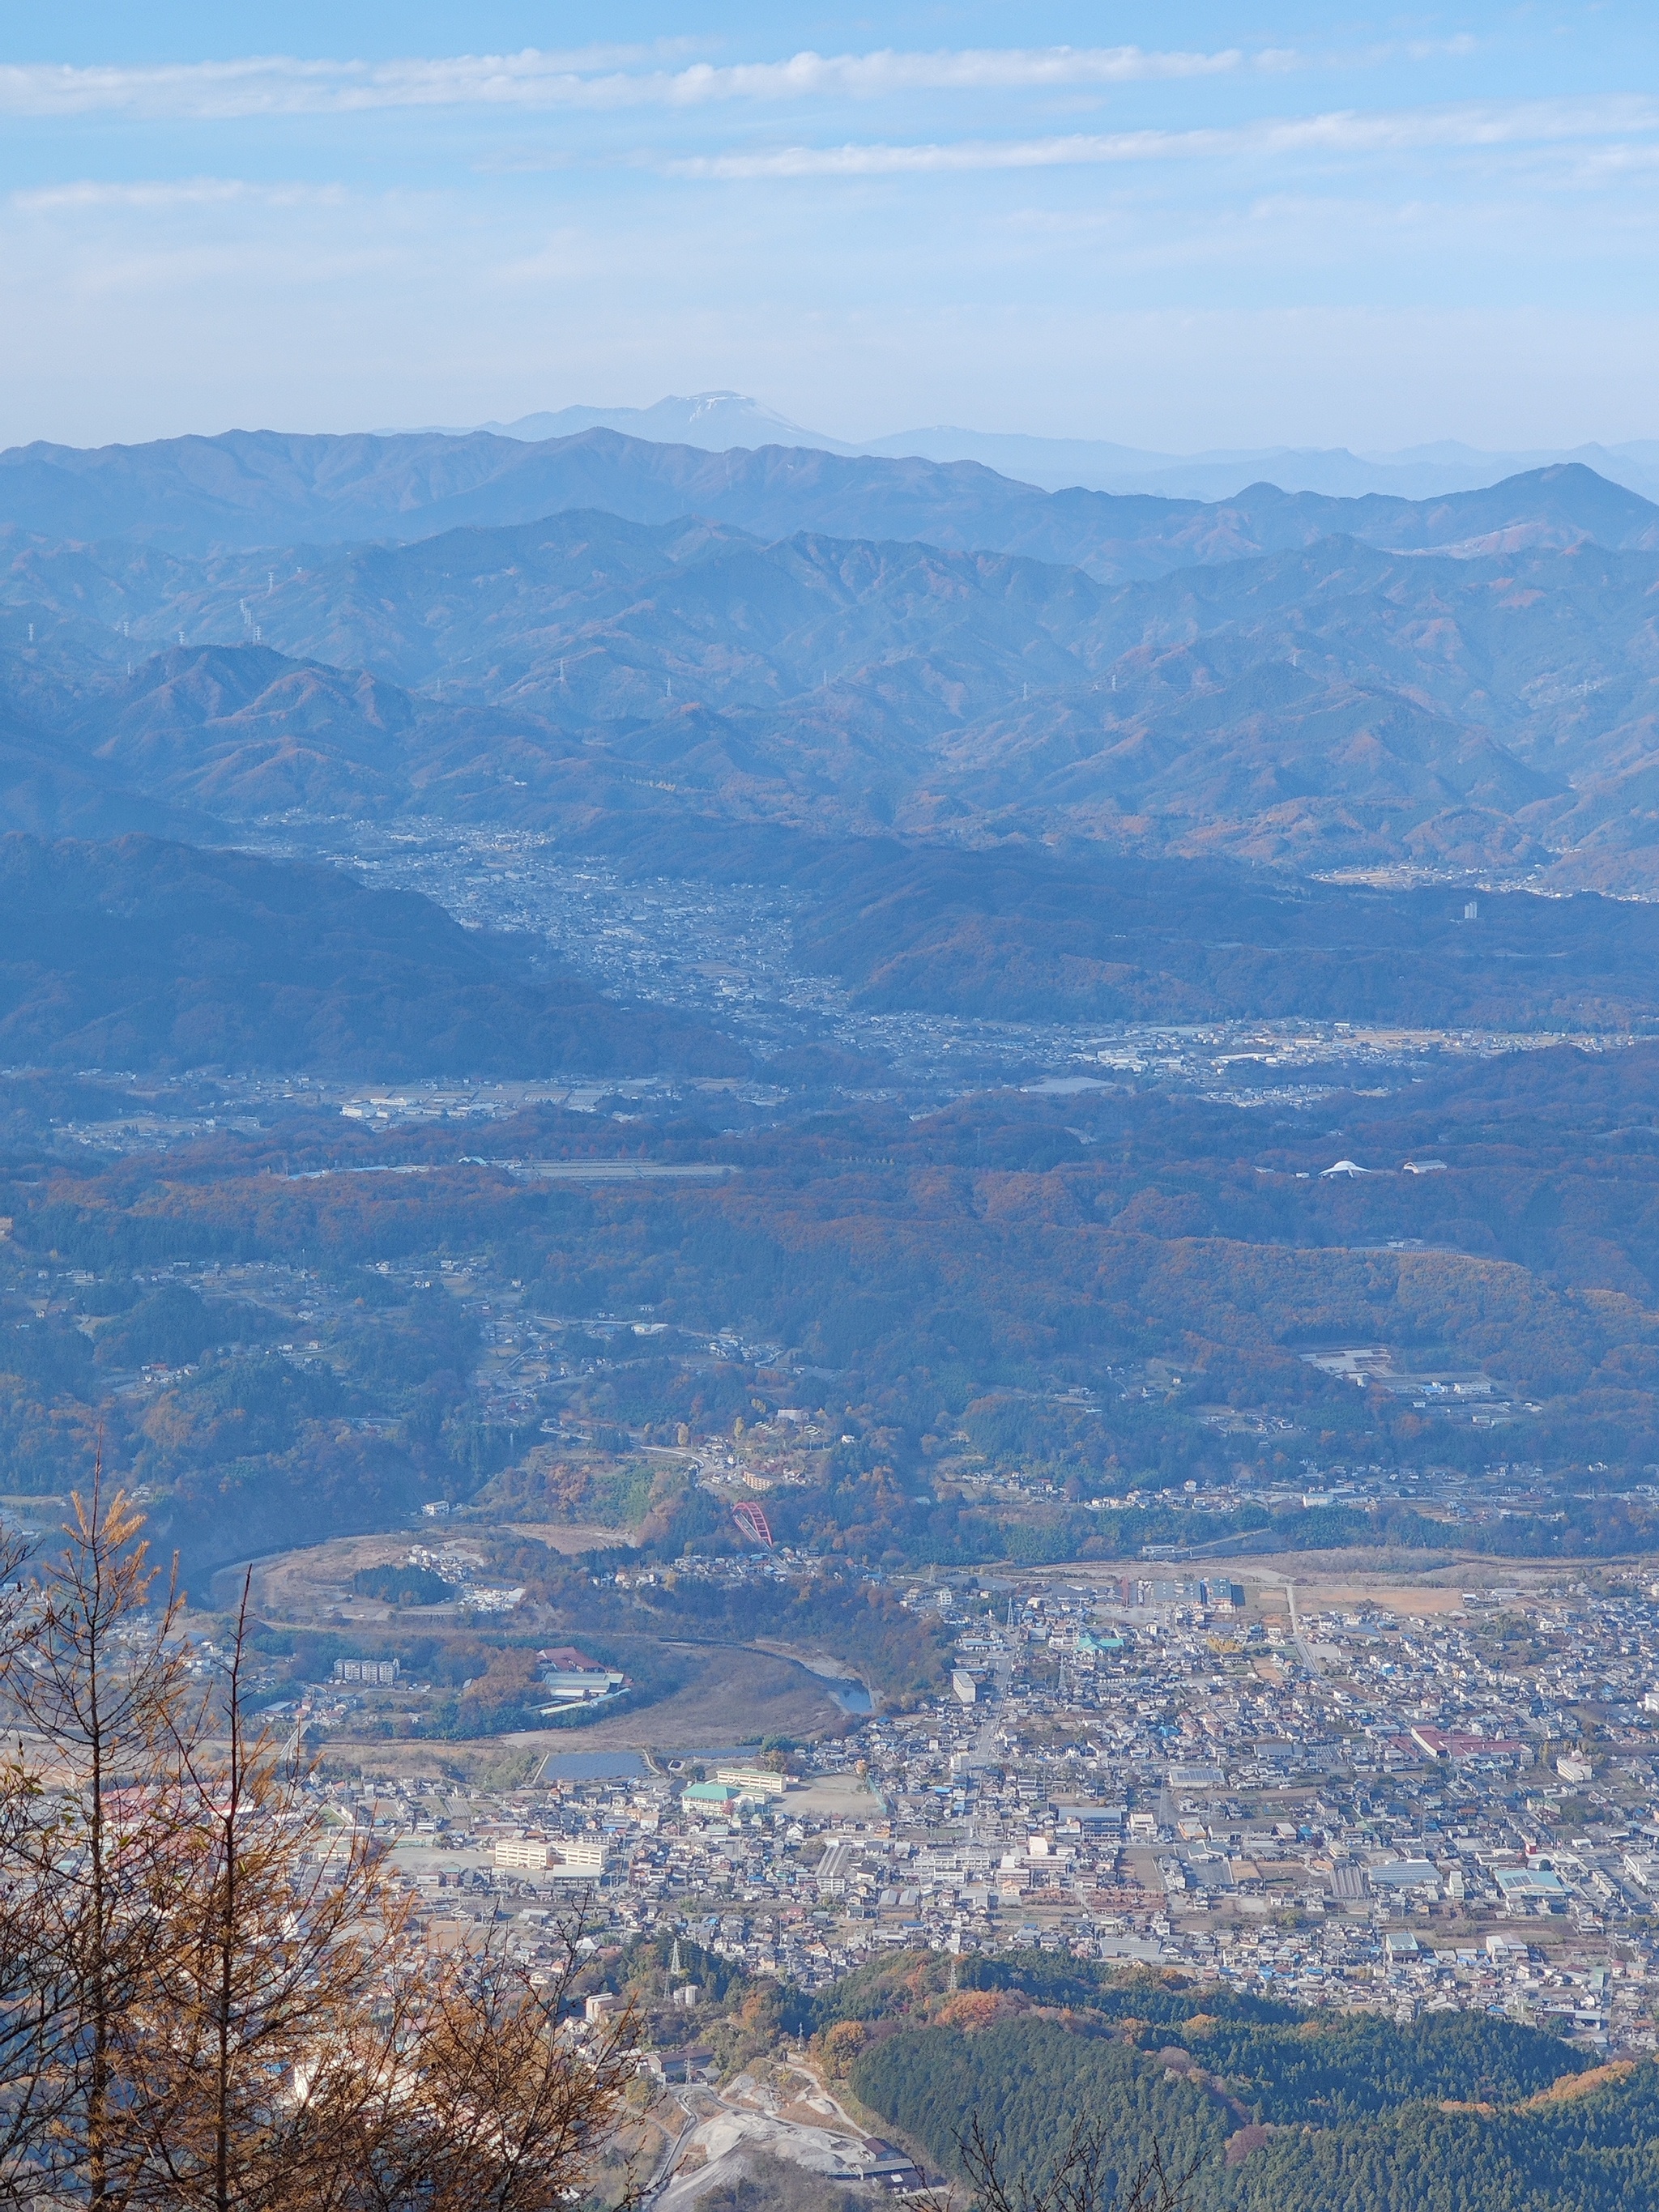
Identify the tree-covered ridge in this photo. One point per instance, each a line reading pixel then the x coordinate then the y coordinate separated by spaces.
pixel 1271 2108
pixel 1014 935
pixel 141 953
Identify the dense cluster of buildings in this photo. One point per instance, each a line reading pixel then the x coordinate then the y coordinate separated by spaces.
pixel 1352 1806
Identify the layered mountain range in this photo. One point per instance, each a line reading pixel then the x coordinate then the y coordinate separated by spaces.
pixel 844 646
pixel 849 775
pixel 261 488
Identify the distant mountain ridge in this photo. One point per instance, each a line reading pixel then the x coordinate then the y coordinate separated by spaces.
pixel 249 489
pixel 1427 472
pixel 716 421
pixel 719 420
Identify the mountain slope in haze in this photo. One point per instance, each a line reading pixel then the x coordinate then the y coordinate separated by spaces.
pixel 206 736
pixel 1023 935
pixel 142 953
pixel 585 618
pixel 1424 472
pixel 1277 766
pixel 245 732
pixel 243 488
pixel 54 789
pixel 1331 706
pixel 557 612
pixel 1482 695
pixel 717 420
pixel 250 488
pixel 1296 764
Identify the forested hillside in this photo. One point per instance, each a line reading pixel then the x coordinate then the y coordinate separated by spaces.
pixel 147 954
pixel 1263 2105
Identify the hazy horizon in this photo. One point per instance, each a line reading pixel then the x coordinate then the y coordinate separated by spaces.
pixel 732 422
pixel 1248 232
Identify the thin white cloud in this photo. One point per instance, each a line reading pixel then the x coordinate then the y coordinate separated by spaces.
pixel 281 85
pixel 866 77
pixel 1346 131
pixel 277 85
pixel 1375 56
pixel 931 160
pixel 1608 162
pixel 163 197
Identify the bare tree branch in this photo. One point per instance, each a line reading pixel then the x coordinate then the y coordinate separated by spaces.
pixel 203 2007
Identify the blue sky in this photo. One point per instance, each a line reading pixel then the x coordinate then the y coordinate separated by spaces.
pixel 1177 227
